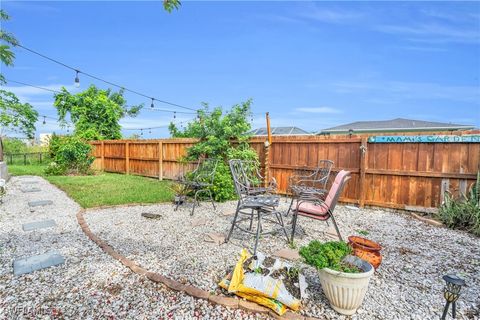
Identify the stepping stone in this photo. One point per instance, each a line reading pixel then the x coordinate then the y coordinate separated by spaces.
pixel 288 254
pixel 151 215
pixel 331 233
pixel 33 263
pixel 217 238
pixel 198 222
pixel 38 225
pixel 40 203
pixel 29 182
pixel 31 190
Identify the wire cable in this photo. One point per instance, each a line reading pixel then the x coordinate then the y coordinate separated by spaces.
pixel 103 80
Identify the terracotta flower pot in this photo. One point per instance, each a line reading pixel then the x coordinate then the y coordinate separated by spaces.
pixel 367 250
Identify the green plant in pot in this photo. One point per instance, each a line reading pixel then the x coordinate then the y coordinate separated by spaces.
pixel 179 191
pixel 344 277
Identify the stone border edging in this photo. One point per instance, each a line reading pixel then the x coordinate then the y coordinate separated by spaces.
pixel 177 286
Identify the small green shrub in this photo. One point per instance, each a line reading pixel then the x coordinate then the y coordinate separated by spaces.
pixel 71 155
pixel 462 213
pixel 55 169
pixel 328 255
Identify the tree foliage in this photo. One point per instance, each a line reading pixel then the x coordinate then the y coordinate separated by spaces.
pixel 16 116
pixel 169 5
pixel 6 55
pixel 70 155
pixel 94 112
pixel 222 136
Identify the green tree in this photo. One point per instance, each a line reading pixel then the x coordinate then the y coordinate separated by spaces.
pixel 94 112
pixel 222 136
pixel 16 116
pixel 169 5
pixel 6 55
pixel 14 145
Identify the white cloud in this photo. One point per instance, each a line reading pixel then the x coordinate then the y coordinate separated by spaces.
pixel 328 110
pixel 333 16
pixel 433 33
pixel 400 90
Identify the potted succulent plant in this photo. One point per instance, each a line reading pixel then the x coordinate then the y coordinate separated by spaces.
pixel 179 191
pixel 344 277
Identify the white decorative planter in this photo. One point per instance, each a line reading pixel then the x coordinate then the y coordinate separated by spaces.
pixel 346 291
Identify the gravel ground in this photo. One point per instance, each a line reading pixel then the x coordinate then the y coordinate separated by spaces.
pixel 90 285
pixel 407 285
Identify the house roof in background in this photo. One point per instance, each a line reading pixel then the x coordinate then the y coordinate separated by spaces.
pixel 278 131
pixel 398 124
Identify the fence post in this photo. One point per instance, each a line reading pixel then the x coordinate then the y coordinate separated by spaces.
pixel 11 158
pixel 40 154
pixel 103 156
pixel 160 160
pixel 127 157
pixel 24 159
pixel 363 168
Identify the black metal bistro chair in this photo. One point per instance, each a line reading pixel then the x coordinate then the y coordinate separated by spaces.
pixel 307 182
pixel 200 181
pixel 254 201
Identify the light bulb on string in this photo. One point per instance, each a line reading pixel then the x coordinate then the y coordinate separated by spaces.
pixel 68 129
pixel 174 114
pixel 152 105
pixel 141 132
pixel 150 131
pixel 77 79
pixel 44 122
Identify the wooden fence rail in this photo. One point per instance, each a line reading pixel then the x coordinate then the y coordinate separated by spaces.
pixel 412 176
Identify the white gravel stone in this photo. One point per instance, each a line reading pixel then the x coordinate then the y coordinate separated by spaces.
pixel 408 284
pixel 90 284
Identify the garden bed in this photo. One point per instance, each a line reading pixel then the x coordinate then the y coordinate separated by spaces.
pixel 407 284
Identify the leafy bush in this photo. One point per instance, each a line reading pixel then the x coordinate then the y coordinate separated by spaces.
pixel 462 213
pixel 222 136
pixel 70 154
pixel 55 169
pixel 327 255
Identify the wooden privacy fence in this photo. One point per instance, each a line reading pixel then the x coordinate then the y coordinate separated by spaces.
pixel 412 176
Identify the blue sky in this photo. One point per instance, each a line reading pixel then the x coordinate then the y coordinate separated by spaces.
pixel 310 64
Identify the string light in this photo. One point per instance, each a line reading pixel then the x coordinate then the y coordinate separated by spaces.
pixel 44 122
pixel 77 79
pixel 100 79
pixel 174 115
pixel 141 132
pixel 152 105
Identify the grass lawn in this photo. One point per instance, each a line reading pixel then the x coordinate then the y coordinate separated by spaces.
pixel 104 188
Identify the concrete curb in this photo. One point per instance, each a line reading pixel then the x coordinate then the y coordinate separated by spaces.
pixel 229 302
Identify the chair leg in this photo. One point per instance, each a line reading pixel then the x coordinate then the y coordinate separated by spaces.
pixel 259 227
pixel 211 199
pixel 233 223
pixel 336 227
pixel 290 207
pixel 195 201
pixel 280 221
pixel 294 224
pixel 251 221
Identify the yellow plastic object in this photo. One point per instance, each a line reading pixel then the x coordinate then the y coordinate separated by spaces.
pixel 270 303
pixel 261 289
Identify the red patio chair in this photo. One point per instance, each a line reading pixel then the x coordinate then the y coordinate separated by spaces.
pixel 312 206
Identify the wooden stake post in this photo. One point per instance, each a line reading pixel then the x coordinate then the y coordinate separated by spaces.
pixel 267 151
